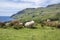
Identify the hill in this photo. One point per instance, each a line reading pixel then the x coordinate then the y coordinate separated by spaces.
pixel 39 14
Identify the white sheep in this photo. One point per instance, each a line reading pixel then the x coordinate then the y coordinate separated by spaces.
pixel 29 24
pixel 7 24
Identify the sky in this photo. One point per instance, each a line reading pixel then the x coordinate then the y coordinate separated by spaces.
pixel 10 7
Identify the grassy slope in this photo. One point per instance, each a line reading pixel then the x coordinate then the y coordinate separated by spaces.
pixel 30 34
pixel 46 33
pixel 39 13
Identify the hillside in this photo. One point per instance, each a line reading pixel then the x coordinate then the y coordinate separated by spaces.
pixel 41 13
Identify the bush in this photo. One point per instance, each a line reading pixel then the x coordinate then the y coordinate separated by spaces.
pixel 17 27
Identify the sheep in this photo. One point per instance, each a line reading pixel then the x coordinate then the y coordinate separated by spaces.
pixel 51 23
pixel 17 24
pixel 14 22
pixel 7 24
pixel 20 25
pixel 44 23
pixel 48 20
pixel 30 24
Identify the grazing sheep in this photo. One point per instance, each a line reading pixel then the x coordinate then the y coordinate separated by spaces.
pixel 44 23
pixel 21 24
pixel 13 22
pixel 16 24
pixel 51 23
pixel 48 20
pixel 29 24
pixel 7 24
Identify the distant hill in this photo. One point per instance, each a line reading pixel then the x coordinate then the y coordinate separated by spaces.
pixel 39 14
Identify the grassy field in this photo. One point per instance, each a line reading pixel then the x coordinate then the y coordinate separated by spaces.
pixel 46 33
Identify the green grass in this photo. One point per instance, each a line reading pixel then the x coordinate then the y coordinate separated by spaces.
pixel 46 33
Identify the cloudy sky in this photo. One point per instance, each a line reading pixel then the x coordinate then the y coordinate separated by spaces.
pixel 9 7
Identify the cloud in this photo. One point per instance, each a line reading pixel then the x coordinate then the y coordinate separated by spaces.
pixel 54 1
pixel 9 7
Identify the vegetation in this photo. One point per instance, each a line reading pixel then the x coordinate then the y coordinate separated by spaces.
pixel 46 33
pixel 39 14
pixel 42 32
